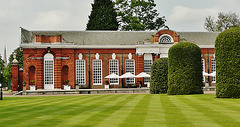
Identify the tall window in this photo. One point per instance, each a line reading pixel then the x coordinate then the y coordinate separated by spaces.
pixel 213 67
pixel 203 66
pixel 80 72
pixel 147 69
pixel 48 69
pixel 97 72
pixel 130 67
pixel 113 68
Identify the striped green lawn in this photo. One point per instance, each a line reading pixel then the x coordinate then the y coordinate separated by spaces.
pixel 119 110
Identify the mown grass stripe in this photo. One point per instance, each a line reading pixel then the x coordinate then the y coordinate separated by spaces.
pixel 41 110
pixel 155 115
pixel 109 108
pixel 137 116
pixel 16 109
pixel 19 102
pixel 230 104
pixel 34 110
pixel 117 117
pixel 86 111
pixel 173 114
pixel 196 117
pixel 216 113
pixel 64 112
pixel 35 101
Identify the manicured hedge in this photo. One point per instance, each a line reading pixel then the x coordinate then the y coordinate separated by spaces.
pixel 227 55
pixel 159 76
pixel 184 69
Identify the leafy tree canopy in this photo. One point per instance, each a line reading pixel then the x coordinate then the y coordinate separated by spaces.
pixel 1 63
pixel 224 22
pixel 103 16
pixel 138 15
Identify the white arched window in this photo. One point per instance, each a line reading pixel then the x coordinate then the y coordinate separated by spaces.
pixel 48 71
pixel 165 38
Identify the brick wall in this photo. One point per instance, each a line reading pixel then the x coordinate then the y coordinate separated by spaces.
pixel 66 58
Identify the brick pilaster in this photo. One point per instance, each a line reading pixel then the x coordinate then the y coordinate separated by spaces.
pixel 139 67
pixel 57 69
pixel 15 76
pixel 155 57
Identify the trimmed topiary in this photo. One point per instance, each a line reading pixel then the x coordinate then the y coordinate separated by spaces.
pixel 227 55
pixel 159 76
pixel 184 69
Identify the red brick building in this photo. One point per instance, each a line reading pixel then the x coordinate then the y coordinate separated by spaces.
pixel 52 58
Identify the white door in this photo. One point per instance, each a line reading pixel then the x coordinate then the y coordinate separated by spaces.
pixel 48 71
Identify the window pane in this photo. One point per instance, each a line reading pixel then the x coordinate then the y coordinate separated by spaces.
pixel 147 69
pixel 213 67
pixel 203 66
pixel 48 72
pixel 80 72
pixel 113 68
pixel 97 72
pixel 130 67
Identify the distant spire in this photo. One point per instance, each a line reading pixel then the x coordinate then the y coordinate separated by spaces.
pixel 5 56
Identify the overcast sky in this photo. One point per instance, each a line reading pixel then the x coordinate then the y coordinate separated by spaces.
pixel 181 15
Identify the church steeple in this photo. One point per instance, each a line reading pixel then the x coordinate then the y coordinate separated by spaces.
pixel 5 56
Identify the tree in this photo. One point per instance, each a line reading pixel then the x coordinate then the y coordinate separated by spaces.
pixel 19 57
pixel 1 63
pixel 159 76
pixel 227 50
pixel 103 16
pixel 184 69
pixel 224 22
pixel 138 15
pixel 2 69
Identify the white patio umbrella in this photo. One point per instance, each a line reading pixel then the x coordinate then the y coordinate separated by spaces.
pixel 113 75
pixel 127 75
pixel 143 75
pixel 211 74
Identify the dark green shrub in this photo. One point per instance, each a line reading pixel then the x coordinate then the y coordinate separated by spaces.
pixel 184 69
pixel 227 55
pixel 159 74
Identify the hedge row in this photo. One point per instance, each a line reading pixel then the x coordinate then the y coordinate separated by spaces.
pixel 159 76
pixel 227 55
pixel 184 69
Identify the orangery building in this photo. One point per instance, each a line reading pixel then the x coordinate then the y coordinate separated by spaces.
pixel 54 58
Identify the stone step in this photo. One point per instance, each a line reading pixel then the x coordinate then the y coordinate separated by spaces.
pixel 210 88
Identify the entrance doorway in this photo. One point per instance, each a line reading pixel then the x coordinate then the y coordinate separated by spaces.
pixel 48 71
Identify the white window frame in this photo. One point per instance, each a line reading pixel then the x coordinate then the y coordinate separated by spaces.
pixel 113 68
pixel 48 69
pixel 203 65
pixel 96 69
pixel 147 68
pixel 81 72
pixel 163 36
pixel 128 68
pixel 213 68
